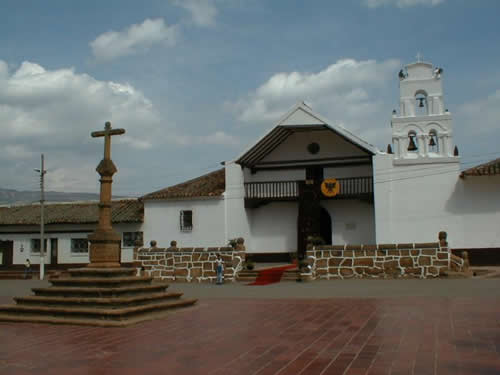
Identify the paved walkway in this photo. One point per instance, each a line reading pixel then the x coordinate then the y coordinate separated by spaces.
pixel 380 327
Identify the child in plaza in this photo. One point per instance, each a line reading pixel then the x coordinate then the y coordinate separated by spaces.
pixel 27 268
pixel 220 269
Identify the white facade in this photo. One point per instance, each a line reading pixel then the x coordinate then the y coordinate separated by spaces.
pixel 162 222
pixel 60 236
pixel 403 197
pixel 418 191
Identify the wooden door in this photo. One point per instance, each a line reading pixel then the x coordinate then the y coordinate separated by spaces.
pixel 6 253
pixel 53 251
pixel 308 222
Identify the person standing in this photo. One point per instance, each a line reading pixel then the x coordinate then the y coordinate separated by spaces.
pixel 219 263
pixel 27 268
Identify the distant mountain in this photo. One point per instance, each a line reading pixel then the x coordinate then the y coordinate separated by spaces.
pixel 10 196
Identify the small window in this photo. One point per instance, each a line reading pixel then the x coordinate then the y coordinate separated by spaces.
pixel 79 245
pixel 186 220
pixel 130 238
pixel 35 245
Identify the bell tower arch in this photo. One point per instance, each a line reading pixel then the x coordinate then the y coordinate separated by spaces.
pixel 422 132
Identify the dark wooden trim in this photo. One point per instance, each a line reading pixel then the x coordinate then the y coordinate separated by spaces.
pixel 338 165
pixel 318 160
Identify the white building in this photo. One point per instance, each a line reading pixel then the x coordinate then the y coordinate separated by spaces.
pixel 67 226
pixel 309 177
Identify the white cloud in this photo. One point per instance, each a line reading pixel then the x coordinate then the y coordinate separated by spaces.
pixel 482 115
pixel 348 92
pixel 135 38
pixel 402 3
pixel 203 12
pixel 16 152
pixel 74 178
pixel 54 112
pixel 218 138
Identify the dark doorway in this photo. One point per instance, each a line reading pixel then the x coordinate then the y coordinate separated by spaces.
pixel 6 250
pixel 53 251
pixel 308 221
pixel 325 229
pixel 315 173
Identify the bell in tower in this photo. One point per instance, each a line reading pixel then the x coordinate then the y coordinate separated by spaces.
pixel 422 131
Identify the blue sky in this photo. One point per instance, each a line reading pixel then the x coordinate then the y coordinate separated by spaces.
pixel 196 81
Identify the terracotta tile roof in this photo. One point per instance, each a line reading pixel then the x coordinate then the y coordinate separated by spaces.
pixel 487 169
pixel 123 211
pixel 212 184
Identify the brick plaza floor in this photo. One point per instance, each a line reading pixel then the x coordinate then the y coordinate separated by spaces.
pixel 222 336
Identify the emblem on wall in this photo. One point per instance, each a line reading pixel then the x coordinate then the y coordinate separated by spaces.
pixel 330 187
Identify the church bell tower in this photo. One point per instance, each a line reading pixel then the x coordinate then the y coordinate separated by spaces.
pixel 422 132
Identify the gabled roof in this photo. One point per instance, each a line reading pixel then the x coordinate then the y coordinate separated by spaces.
pixel 122 211
pixel 299 118
pixel 212 184
pixel 486 169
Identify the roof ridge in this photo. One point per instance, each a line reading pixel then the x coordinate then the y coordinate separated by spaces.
pixel 170 190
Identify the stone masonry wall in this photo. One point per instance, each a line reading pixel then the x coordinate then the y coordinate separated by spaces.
pixel 188 264
pixel 421 260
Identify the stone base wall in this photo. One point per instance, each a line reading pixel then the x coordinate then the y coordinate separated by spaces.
pixel 188 264
pixel 420 260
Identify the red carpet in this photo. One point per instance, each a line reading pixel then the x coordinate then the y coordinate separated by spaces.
pixel 271 275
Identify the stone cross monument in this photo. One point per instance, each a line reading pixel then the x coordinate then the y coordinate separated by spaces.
pixel 105 242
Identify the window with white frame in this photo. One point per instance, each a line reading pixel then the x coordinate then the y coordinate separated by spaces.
pixel 186 220
pixel 35 245
pixel 79 245
pixel 130 238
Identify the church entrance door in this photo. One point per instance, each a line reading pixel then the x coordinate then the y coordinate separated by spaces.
pixel 309 219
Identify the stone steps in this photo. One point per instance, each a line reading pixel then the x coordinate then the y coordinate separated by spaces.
pixel 101 297
pixel 99 292
pixel 112 302
pixel 96 282
pixel 102 272
pixel 13 312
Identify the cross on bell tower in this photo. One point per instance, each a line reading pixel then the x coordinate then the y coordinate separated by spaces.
pixel 105 249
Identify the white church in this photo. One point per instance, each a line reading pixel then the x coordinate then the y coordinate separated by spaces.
pixel 306 177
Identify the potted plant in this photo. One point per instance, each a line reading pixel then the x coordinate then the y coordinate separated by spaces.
pixel 249 264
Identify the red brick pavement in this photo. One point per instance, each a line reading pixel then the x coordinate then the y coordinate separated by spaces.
pixel 249 336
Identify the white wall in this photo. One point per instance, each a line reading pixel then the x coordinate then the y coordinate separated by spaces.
pixel 274 225
pixel 477 200
pixel 162 222
pixel 273 228
pixel 331 145
pixel 64 234
pixel 237 220
pixel 353 221
pixel 411 201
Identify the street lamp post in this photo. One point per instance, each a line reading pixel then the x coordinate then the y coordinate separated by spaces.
pixel 42 172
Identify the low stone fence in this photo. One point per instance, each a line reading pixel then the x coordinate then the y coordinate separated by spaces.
pixel 421 260
pixel 188 264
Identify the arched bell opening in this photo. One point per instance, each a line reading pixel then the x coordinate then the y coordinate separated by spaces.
pixel 433 142
pixel 421 103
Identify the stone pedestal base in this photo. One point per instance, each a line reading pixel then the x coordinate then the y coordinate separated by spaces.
pixel 105 249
